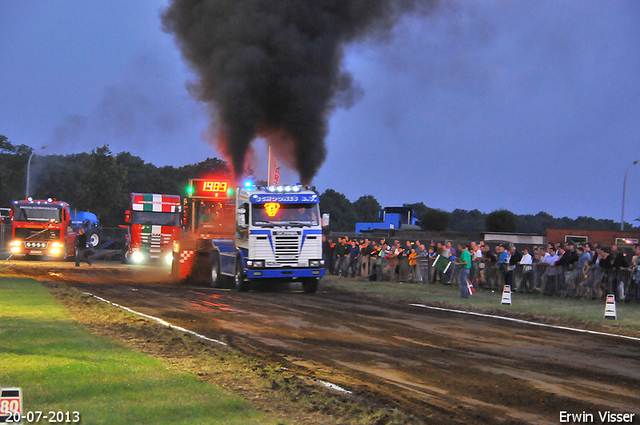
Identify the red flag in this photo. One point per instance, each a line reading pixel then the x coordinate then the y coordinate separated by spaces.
pixel 274 171
pixel 470 287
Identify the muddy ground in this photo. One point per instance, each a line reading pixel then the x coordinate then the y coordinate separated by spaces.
pixel 436 366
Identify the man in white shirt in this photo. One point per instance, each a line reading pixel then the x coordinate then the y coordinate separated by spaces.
pixel 548 279
pixel 478 260
pixel 526 263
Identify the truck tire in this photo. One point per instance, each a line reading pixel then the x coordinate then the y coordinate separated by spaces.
pixel 310 285
pixel 217 279
pixel 93 238
pixel 240 283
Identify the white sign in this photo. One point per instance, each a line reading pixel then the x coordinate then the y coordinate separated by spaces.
pixel 10 405
pixel 506 295
pixel 610 308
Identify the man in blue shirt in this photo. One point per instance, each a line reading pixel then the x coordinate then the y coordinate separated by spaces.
pixel 352 262
pixel 503 261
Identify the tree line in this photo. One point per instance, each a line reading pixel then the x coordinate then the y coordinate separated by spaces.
pixel 102 182
pixel 345 214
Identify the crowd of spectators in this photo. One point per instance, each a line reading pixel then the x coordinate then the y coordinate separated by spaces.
pixel 567 269
pixel 375 260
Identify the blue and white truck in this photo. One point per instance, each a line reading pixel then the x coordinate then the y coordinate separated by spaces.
pixel 237 236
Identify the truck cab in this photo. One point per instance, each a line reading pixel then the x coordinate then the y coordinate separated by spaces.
pixel 279 232
pixel 42 228
pixel 154 222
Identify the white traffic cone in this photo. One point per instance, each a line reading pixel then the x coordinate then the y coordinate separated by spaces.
pixel 610 308
pixel 506 295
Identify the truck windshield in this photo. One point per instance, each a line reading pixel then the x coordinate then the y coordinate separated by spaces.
pixel 215 217
pixel 39 213
pixel 155 218
pixel 285 214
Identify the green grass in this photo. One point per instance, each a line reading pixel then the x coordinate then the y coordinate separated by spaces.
pixel 488 301
pixel 61 366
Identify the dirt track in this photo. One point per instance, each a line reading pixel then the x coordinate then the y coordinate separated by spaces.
pixel 443 367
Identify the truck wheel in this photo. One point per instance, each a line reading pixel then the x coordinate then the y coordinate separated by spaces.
pixel 94 239
pixel 216 277
pixel 240 283
pixel 310 285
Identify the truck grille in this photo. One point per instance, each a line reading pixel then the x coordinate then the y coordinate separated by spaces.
pixel 24 233
pixel 286 249
pixel 155 244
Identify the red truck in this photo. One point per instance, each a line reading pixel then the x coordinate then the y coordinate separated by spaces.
pixel 42 228
pixel 154 222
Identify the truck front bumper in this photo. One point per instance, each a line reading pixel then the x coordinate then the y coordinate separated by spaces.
pixel 284 273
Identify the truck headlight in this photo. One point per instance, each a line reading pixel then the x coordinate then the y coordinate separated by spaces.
pixel 169 258
pixel 315 263
pixel 137 257
pixel 15 243
pixel 15 249
pixel 258 263
pixel 55 250
pixel 56 245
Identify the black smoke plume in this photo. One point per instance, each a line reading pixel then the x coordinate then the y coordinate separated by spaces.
pixel 271 68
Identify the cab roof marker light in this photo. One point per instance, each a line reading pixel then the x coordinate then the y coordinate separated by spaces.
pixel 280 188
pixel 287 188
pixel 49 200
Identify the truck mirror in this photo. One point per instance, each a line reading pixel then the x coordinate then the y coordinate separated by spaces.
pixel 325 220
pixel 242 217
pixel 127 216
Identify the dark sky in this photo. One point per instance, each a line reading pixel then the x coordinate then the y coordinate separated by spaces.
pixel 525 105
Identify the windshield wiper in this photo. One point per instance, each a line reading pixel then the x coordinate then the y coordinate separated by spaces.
pixel 298 224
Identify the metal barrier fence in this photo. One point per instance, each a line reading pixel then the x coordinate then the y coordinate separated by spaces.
pixel 568 281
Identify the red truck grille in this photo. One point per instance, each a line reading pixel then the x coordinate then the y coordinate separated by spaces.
pixel 25 233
